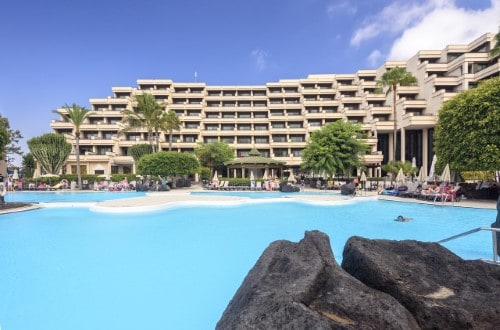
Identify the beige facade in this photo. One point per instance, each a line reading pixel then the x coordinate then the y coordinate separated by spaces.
pixel 278 118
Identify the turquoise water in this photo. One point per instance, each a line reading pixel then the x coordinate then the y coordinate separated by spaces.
pixel 264 194
pixel 71 268
pixel 68 196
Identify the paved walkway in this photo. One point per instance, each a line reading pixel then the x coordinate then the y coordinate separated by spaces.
pixel 182 196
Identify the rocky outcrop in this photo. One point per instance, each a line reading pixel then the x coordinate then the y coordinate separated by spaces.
pixel 300 286
pixel 348 189
pixel 439 288
pixel 288 187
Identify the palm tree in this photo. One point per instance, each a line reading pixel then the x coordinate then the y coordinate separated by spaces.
pixel 495 51
pixel 147 114
pixel 76 115
pixel 170 122
pixel 391 79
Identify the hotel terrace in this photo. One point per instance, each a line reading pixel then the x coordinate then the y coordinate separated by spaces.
pixel 278 118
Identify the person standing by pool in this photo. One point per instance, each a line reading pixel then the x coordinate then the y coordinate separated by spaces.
pixel 3 191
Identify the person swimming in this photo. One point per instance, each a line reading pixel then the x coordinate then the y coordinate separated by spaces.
pixel 400 218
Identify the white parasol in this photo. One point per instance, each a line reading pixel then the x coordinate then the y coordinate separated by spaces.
pixel 291 177
pixel 432 169
pixel 215 178
pixel 446 176
pixel 400 177
pixel 15 176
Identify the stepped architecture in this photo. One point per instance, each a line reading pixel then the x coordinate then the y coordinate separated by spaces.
pixel 277 118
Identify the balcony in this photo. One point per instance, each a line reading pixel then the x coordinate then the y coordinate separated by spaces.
pixel 409 120
pixel 376 158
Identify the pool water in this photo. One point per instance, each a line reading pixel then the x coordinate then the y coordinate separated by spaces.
pixel 72 268
pixel 264 194
pixel 68 196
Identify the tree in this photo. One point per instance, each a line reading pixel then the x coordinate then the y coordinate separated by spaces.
pixel 169 163
pixel 28 165
pixel 391 79
pixel 214 154
pixel 76 115
pixel 335 149
pixel 495 51
pixel 50 150
pixel 9 140
pixel 147 115
pixel 139 150
pixel 170 122
pixel 467 133
pixel 394 167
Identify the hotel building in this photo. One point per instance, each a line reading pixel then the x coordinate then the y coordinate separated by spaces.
pixel 278 118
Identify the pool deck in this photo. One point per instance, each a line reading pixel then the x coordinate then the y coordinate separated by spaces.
pixel 182 196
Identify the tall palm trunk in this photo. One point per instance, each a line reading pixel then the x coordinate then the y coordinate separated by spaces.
pixel 78 171
pixel 394 142
pixel 170 135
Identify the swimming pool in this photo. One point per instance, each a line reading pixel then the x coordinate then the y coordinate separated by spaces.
pixel 68 196
pixel 265 194
pixel 71 268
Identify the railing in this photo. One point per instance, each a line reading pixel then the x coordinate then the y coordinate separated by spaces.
pixel 475 230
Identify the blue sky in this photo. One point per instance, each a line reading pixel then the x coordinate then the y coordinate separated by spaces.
pixel 54 52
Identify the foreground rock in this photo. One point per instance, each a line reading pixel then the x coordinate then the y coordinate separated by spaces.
pixel 439 288
pixel 14 205
pixel 300 286
pixel 348 189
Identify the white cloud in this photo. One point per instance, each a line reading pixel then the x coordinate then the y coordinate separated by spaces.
pixel 432 24
pixel 374 57
pixel 445 26
pixel 341 7
pixel 260 58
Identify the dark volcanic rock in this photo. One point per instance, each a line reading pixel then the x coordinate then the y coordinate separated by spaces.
pixel 300 286
pixel 439 288
pixel 347 189
pixel 287 187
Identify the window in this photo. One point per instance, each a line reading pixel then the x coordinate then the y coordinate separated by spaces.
pixel 260 127
pixel 190 138
pixel 228 115
pixel 245 127
pixel 83 169
pixel 261 140
pixel 244 139
pixel 102 150
pixel 280 152
pixel 229 140
pixel 297 138
pixel 260 114
pixel 278 124
pixel 279 138
pixel 277 113
pixel 295 124
pixel 212 115
pixel 192 125
pixel 297 152
pixel 227 127
pixel 212 127
pixel 110 135
pixel 244 115
pixel 210 139
pixel 242 153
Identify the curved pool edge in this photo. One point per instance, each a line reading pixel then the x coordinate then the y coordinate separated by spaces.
pixel 161 201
